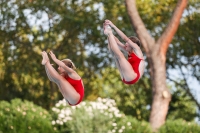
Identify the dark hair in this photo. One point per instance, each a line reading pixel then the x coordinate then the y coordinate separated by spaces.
pixel 69 63
pixel 135 40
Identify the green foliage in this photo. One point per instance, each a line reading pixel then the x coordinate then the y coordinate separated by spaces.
pixel 179 126
pixel 129 124
pixel 87 117
pixel 156 14
pixel 100 116
pixel 180 105
pixel 132 100
pixel 23 117
pixel 183 56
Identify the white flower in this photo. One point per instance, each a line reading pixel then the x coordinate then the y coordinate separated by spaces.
pixel 105 106
pixel 53 122
pixel 114 124
pixel 128 123
pixel 83 103
pixel 61 123
pixel 104 100
pixel 68 118
pixel 56 110
pixel 73 107
pixel 120 130
pixel 113 131
pixel 64 104
pixel 57 105
pixel 94 105
pixel 67 112
pixel 63 101
pixel 61 115
pixel 99 99
pixel 57 121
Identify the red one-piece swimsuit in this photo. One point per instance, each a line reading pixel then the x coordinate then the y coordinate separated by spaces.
pixel 134 60
pixel 78 86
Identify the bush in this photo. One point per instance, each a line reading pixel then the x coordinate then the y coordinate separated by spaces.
pixel 87 117
pixel 179 126
pixel 24 117
pixel 129 124
pixel 101 116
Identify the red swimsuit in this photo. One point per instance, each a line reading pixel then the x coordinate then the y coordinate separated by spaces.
pixel 78 86
pixel 135 62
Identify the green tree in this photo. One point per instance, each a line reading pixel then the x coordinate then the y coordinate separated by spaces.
pixel 72 29
pixel 156 49
pixel 184 53
pixel 28 27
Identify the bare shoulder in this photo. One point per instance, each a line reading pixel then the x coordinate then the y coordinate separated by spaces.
pixel 139 53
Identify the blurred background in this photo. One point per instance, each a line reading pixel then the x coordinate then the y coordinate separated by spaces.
pixel 73 29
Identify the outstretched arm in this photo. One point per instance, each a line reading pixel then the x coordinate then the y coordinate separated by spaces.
pixel 45 60
pixel 122 35
pixel 48 75
pixel 120 44
pixel 119 32
pixel 60 63
pixel 107 31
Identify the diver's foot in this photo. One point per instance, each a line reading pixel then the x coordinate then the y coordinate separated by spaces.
pixel 45 58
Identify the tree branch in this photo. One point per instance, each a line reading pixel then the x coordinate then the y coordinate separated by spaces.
pixel 146 39
pixel 172 27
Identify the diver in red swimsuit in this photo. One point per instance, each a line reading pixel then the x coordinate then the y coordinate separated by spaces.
pixel 68 81
pixel 135 62
pixel 132 69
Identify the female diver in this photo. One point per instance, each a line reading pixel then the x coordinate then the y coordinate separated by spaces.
pixel 68 81
pixel 130 69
